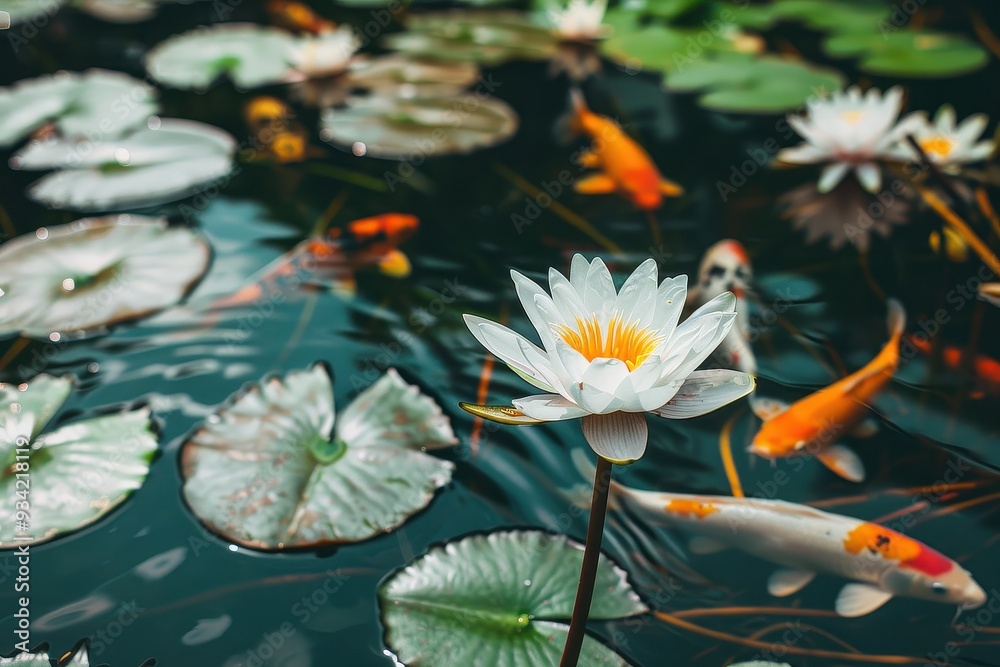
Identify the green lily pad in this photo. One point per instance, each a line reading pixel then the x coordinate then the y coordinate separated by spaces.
pixel 396 128
pixel 500 595
pixel 75 657
pixel 839 16
pixel 913 53
pixel 487 37
pixel 249 55
pixel 761 85
pixel 668 9
pixel 271 470
pixel 75 474
pixel 79 279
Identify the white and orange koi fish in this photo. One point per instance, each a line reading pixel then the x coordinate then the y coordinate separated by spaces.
pixel 813 424
pixel 805 542
pixel 726 268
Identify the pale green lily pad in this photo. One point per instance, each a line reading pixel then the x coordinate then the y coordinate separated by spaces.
pixel 78 656
pixel 75 474
pixel 396 128
pixel 766 84
pixel 97 104
pixel 838 16
pixel 28 10
pixel 489 37
pixel 78 279
pixel 499 599
pixel 250 55
pixel 124 11
pixel 404 76
pixel 913 53
pixel 271 470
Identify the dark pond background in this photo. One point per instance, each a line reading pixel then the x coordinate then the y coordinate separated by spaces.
pixel 514 477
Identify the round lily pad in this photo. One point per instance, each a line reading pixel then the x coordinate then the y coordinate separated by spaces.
pixel 487 37
pixel 96 103
pixel 912 53
pixel 165 161
pixel 396 128
pixel 765 84
pixel 123 11
pixel 75 474
pixel 402 75
pixel 662 48
pixel 28 10
pixel 501 595
pixel 78 279
pixel 250 55
pixel 274 469
pixel 838 16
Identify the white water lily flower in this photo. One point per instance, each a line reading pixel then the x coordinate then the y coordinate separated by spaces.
pixel 324 55
pixel 579 20
pixel 607 357
pixel 946 143
pixel 850 131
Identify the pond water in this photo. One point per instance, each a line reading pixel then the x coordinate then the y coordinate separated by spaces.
pixel 150 581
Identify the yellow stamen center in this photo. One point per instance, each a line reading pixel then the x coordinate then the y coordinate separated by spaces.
pixel 625 341
pixel 853 117
pixel 939 146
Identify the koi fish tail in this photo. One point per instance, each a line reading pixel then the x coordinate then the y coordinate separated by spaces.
pixel 570 125
pixel 896 319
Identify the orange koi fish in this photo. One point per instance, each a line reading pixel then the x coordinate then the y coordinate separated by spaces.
pixel 985 370
pixel 813 424
pixel 625 168
pixel 298 16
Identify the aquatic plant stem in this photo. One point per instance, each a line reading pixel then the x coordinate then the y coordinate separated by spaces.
pixel 588 572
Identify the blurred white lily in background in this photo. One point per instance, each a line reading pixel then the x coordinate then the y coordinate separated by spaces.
pixel 579 20
pixel 946 143
pixel 324 55
pixel 608 356
pixel 850 131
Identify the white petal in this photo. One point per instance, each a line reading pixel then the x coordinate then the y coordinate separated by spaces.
pixel 971 128
pixel 636 302
pixel 870 176
pixel 619 437
pixel 803 154
pixel 567 301
pixel 529 292
pixel 831 177
pixel 578 270
pixel 506 345
pixel 549 407
pixel 711 329
pixel 705 391
pixel 599 292
pixel 670 298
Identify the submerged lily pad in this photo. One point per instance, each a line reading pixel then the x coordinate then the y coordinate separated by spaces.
pixel 250 55
pixel 913 53
pixel 500 595
pixel 78 279
pixel 487 37
pixel 77 473
pixel 165 161
pixel 395 128
pixel 760 85
pixel 95 103
pixel 272 470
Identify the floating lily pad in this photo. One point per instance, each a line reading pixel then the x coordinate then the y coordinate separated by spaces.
pixel 668 9
pixel 249 55
pixel 78 279
pixel 405 76
pixel 913 53
pixel 75 657
pixel 27 10
pixel 395 128
pixel 165 161
pixel 272 470
pixel 760 85
pixel 124 11
pixel 500 595
pixel 490 37
pixel 839 16
pixel 95 103
pixel 77 473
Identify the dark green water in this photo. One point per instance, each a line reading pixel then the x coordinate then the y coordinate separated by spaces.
pixel 99 582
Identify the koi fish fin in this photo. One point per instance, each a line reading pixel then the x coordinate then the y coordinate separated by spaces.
pixel 590 160
pixel 706 545
pixel 595 184
pixel 866 428
pixel 842 461
pixel 670 189
pixel 766 408
pixel 896 319
pixel 568 126
pixel 788 582
pixel 395 264
pixel 859 599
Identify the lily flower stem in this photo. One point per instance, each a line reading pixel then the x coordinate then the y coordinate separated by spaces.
pixel 588 572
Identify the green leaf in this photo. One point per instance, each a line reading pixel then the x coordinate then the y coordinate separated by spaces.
pixel 75 474
pixel 495 599
pixel 271 471
pixel 914 53
pixel 827 15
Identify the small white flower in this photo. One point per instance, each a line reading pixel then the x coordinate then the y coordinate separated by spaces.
pixel 945 143
pixel 579 20
pixel 607 356
pixel 324 55
pixel 850 131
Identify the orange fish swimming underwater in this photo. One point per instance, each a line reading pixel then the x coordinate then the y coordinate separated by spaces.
pixel 985 370
pixel 625 168
pixel 813 424
pixel 295 15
